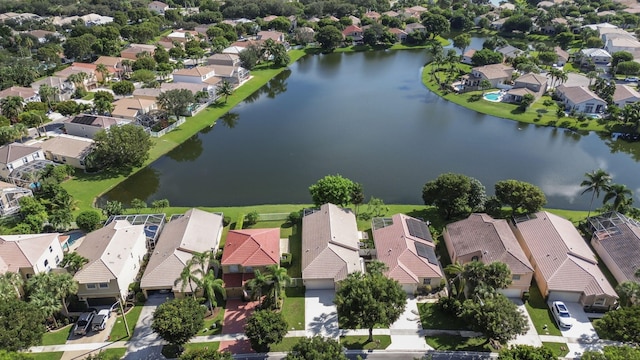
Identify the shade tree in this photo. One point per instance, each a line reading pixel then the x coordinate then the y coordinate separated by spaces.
pixel 520 196
pixel 120 148
pixel 179 320
pixel 334 189
pixel 265 328
pixel 21 325
pixel 316 348
pixel 497 317
pixel 454 194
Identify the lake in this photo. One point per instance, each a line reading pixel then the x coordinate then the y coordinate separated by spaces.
pixel 368 117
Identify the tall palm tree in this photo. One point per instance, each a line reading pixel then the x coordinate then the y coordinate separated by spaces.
pixel 10 285
pixel 257 285
pixel 65 285
pixel 20 131
pixel 78 79
pixel 620 194
pixel 104 72
pixel 11 107
pixel 187 277
pixel 225 89
pixel 212 287
pixel 456 271
pixel 48 304
pixel 278 277
pixel 595 182
pixel 73 262
pixel 205 261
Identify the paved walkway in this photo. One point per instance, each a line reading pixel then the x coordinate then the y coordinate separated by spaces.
pixel 145 344
pixel 320 314
pixel 531 337
pixel 406 332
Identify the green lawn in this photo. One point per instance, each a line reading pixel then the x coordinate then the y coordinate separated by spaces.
pixel 458 343
pixel 293 308
pixel 362 342
pixel 119 332
pixel 540 313
pixel 57 337
pixel 171 352
pixel 47 355
pixel 285 345
pixel 432 318
pixel 208 323
pixel 295 248
pixel 89 96
pixel 559 349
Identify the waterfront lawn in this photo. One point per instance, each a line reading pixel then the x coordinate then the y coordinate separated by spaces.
pixel 540 313
pixel 432 318
pixel 57 337
pixel 293 308
pixel 362 342
pixel 458 343
pixel 559 349
pixel 47 355
pixel 119 331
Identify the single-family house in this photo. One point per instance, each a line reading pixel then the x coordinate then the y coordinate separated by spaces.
pixel 498 24
pixel 65 88
pixel 269 18
pixel 413 12
pixel 621 43
pixel 509 52
pixel 391 14
pixel 196 75
pixel 158 7
pixel 530 83
pixel 85 125
pixel 562 56
pixel 565 269
pixel 235 50
pixel 304 34
pixel 625 95
pixel 133 50
pixel 115 253
pixel 594 56
pixel 90 81
pixel 130 108
pixel 224 59
pixel 29 254
pixel 246 251
pixel 607 33
pixel 580 99
pixel 616 240
pixel 113 65
pixel 483 238
pixel 96 19
pixel 66 149
pixel 375 16
pixel 553 25
pixel 276 36
pixel 400 34
pixel 329 247
pixel 42 35
pixel 10 196
pixel 354 32
pixel 196 231
pixel 404 244
pixel 182 36
pixel 354 20
pixel 14 156
pixel 27 94
pixel 496 74
pixel 410 28
pixel 467 57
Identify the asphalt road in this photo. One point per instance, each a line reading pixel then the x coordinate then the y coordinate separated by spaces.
pixel 388 355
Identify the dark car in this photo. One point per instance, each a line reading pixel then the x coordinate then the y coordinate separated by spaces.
pixel 83 325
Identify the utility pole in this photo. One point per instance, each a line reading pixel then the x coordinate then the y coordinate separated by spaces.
pixel 124 318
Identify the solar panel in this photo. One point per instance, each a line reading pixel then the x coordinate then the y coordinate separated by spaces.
pixel 427 253
pixel 419 229
pixel 84 120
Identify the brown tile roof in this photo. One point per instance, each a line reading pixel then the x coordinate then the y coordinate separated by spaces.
pixel 194 88
pixel 350 30
pixel 578 94
pixel 68 146
pixel 623 246
pixel 329 244
pixel 531 78
pixel 198 71
pixel 561 53
pixel 64 73
pixel 15 151
pixel 520 92
pixel 23 92
pixel 490 239
pixel 562 256
pixel 53 81
pixel 109 60
pixel 273 35
pixel 23 251
pixel 195 232
pixel 252 247
pixel 103 122
pixel 108 250
pixel 40 34
pixel 624 92
pixel 397 249
pixel 372 15
pixel 495 71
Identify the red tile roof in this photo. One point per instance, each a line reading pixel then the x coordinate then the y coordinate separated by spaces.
pixel 252 247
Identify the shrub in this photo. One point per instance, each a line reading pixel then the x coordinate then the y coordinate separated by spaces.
pixel 88 220
pixel 285 262
pixel 252 218
pixel 424 289
pixel 450 305
pixel 548 102
pixel 294 217
pixel 475 97
pixel 226 221
pixel 140 297
pixel 525 296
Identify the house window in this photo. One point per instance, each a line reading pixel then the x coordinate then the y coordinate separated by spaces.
pixel 475 258
pixel 57 259
pixel 248 269
pixel 91 286
pixel 104 285
pixel 426 281
pixel 50 249
pixel 515 277
pixel 46 263
pixel 36 156
pixel 25 160
pixel 233 268
pixel 599 302
pixel 64 159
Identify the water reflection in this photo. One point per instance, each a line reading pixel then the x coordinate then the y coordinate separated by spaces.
pixel 229 119
pixel 189 150
pixel 146 183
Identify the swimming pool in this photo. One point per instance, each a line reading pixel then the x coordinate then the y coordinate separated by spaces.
pixel 493 96
pixel 72 237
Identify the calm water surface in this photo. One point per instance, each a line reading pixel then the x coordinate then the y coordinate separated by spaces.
pixel 368 117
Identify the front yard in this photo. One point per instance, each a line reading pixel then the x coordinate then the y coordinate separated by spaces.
pixel 540 313
pixel 458 343
pixel 119 331
pixel 57 337
pixel 432 318
pixel 293 308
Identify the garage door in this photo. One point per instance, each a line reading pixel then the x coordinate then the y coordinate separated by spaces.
pixel 512 293
pixel 409 288
pixel 564 296
pixel 319 284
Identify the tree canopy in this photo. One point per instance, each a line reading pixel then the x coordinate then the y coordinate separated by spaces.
pixel 265 328
pixel 122 147
pixel 526 352
pixel 497 317
pixel 177 101
pixel 316 348
pixel 454 194
pixel 367 300
pixel 334 189
pixel 21 325
pixel 520 196
pixel 624 352
pixel 177 321
pixel 620 325
pixel 329 37
pixel 205 354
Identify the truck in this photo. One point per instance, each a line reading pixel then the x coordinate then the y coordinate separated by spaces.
pixel 99 321
pixel 83 325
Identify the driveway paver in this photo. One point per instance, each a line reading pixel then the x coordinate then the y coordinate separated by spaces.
pixel 582 330
pixel 236 314
pixel 320 313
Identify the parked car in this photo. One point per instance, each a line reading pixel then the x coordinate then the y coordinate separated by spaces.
pixel 631 79
pixel 83 325
pixel 99 321
pixel 561 314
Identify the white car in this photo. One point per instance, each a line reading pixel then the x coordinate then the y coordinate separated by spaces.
pixel 631 79
pixel 562 315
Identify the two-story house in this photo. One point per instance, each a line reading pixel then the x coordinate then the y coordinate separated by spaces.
pixel 85 125
pixel 495 74
pixel 29 254
pixel 14 156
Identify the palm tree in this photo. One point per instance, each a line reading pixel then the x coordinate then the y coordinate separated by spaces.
pixel 10 285
pixel 78 79
pixel 279 278
pixel 11 107
pixel 127 65
pixel 73 262
pixel 48 94
pixel 620 194
pixel 20 131
pixel 592 75
pixel 187 277
pixel 212 287
pixel 205 261
pixel 562 76
pixel 596 181
pixel 104 72
pixel 225 89
pixel 257 285
pixel 48 304
pixel 65 285
pixel 456 270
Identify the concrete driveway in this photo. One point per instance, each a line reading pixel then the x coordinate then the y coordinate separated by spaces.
pixel 146 344
pixel 582 330
pixel 94 336
pixel 406 331
pixel 531 337
pixel 320 313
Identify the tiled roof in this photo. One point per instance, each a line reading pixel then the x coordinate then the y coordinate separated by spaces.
pixel 532 78
pixel 562 256
pixel 495 71
pixel 273 35
pixel 329 244
pixel 68 146
pixel 198 71
pixel 397 249
pixel 561 53
pixel 252 247
pixel 15 151
pixel 490 239
pixel 578 94
pixel 595 52
pixel 53 81
pixel 195 232
pixel 20 251
pixel 23 92
pixel 351 29
pixel 624 92
pixel 623 246
pixel 108 250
